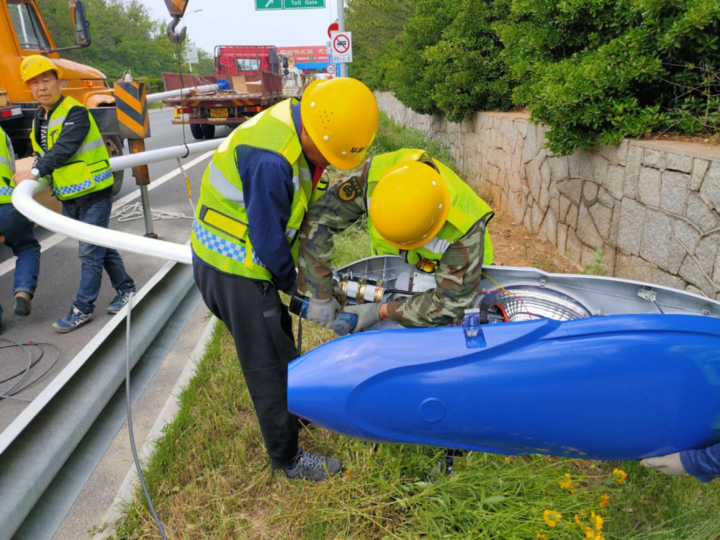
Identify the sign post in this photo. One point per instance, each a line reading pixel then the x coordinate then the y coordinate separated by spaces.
pixel 342 50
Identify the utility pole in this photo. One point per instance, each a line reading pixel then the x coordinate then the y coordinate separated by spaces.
pixel 341 25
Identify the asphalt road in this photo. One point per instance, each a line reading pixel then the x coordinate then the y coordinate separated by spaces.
pixel 60 269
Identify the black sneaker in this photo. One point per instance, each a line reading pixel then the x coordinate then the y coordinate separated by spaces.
pixel 308 466
pixel 23 304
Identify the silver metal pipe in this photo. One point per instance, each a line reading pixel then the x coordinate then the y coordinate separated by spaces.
pixel 182 92
pixel 341 28
pixel 153 156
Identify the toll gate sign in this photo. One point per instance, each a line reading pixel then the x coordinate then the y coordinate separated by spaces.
pixel 341 47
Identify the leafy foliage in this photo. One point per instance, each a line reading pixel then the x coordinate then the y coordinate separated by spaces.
pixel 593 70
pixel 124 36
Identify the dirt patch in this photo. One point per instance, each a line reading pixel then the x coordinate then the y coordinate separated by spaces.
pixel 513 245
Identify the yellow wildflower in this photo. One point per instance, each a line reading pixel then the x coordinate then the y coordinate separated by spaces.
pixel 599 536
pixel 605 498
pixel 589 533
pixel 541 536
pixel 577 520
pixel 350 474
pixel 566 483
pixel 598 520
pixel 551 517
pixel 619 475
pixel 508 460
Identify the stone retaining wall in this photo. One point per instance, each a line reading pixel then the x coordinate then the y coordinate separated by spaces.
pixel 651 207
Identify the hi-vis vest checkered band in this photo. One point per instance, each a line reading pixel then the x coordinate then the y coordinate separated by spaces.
pixel 220 235
pixel 466 209
pixel 7 168
pixel 89 169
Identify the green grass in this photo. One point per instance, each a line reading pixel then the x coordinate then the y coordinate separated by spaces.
pixel 210 477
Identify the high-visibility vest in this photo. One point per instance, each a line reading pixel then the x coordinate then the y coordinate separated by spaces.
pixel 86 171
pixel 220 235
pixel 466 209
pixel 7 168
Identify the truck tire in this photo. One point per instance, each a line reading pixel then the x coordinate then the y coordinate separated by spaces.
pixel 196 130
pixel 114 146
pixel 208 130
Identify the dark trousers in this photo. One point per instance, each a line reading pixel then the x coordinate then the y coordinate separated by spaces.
pixel 95 258
pixel 262 329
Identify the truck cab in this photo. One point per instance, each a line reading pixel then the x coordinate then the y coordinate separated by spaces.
pixel 23 33
pixel 247 60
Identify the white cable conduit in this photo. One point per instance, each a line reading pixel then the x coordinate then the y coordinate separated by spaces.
pixel 23 200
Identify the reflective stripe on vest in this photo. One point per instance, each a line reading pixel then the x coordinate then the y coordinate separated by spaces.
pixel 88 170
pixel 221 236
pixel 7 168
pixel 465 211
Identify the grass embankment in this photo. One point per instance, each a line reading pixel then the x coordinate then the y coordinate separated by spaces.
pixel 210 477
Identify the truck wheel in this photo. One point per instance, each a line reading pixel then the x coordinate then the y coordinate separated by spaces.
pixel 197 131
pixel 114 146
pixel 208 130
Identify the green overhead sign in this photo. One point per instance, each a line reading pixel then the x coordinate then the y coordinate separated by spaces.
pixel 268 5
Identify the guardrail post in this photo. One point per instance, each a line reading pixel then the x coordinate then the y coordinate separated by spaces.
pixel 134 123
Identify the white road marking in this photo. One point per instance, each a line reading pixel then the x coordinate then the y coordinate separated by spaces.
pixel 55 239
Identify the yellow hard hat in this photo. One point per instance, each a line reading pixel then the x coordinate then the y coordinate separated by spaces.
pixel 341 117
pixel 410 205
pixel 36 65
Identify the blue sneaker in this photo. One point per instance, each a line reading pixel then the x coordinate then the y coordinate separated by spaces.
pixel 72 321
pixel 119 302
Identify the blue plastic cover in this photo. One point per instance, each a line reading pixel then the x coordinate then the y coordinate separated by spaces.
pixel 620 387
pixel 223 84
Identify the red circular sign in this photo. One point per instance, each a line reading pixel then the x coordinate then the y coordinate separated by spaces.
pixel 334 27
pixel 341 43
pixel 330 69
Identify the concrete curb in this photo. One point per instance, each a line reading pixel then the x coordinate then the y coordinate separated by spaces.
pixel 167 415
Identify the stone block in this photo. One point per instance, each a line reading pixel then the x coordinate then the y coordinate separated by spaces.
pixel 654 158
pixel 655 244
pixel 716 269
pixel 631 267
pixel 538 214
pixel 691 272
pixel 605 198
pixel 564 207
pixel 674 191
pixel 555 205
pixel 562 234
pixel 615 154
pixel 530 149
pixel 667 280
pixel 679 162
pixel 694 290
pixel 623 263
pixel 649 186
pixel 630 228
pixel 600 169
pixel 615 224
pixel 700 167
pixel 522 127
pixel 587 257
pixel 699 213
pixel 550 227
pixel 572 189
pixel 532 172
pixel 587 231
pixel 590 191
pixel 614 180
pixel 572 216
pixel 687 234
pixel 711 185
pixel 573 247
pixel 632 171
pixel 602 216
pixel 609 256
pixel 706 252
pixel 559 167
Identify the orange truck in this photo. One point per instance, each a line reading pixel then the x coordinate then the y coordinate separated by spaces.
pixel 23 33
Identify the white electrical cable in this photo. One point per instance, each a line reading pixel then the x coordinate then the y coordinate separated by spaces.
pixel 135 211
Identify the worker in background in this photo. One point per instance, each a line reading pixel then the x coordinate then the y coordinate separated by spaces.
pixel 418 208
pixel 253 197
pixel 69 146
pixel 703 464
pixel 18 233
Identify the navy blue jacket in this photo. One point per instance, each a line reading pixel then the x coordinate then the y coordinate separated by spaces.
pixel 268 193
pixel 702 464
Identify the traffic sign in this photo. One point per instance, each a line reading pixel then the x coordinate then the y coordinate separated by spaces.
pixel 334 27
pixel 267 5
pixel 342 46
pixel 330 69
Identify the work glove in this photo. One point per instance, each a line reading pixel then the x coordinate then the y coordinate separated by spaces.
pixel 367 314
pixel 670 464
pixel 322 311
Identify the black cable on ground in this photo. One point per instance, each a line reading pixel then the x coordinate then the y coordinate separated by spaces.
pixel 14 390
pixel 130 425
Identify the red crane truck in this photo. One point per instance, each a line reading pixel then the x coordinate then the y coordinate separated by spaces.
pixel 256 77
